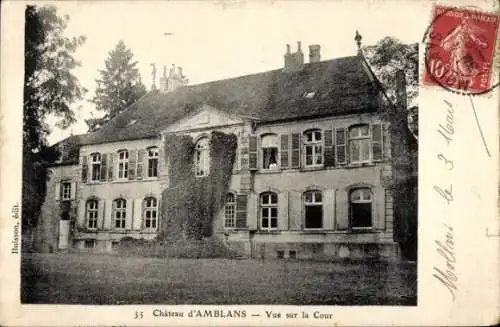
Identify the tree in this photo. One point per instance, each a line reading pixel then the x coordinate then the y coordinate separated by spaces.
pixel 390 55
pixel 118 87
pixel 50 88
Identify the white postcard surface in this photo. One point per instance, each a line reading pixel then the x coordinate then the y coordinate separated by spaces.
pixel 246 162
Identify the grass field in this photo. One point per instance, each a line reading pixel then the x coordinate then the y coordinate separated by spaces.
pixel 106 279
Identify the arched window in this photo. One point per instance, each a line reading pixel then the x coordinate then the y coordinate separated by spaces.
pixel 119 213
pixel 270 150
pixel 313 148
pixel 230 211
pixel 313 209
pixel 92 208
pixel 153 162
pixel 361 208
pixel 268 211
pixel 202 157
pixel 359 143
pixel 150 213
pixel 123 164
pixel 95 162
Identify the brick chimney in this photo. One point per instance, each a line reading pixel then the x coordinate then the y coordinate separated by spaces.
pixel 294 61
pixel 174 79
pixel 314 53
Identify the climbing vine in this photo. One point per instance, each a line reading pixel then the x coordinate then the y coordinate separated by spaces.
pixel 190 203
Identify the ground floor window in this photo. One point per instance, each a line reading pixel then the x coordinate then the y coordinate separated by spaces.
pixel 92 214
pixel 150 213
pixel 230 211
pixel 361 208
pixel 313 208
pixel 268 211
pixel 119 212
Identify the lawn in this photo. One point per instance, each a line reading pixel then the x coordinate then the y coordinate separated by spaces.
pixel 105 279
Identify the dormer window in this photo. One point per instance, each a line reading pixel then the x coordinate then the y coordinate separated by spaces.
pixel 201 157
pixel 153 162
pixel 123 164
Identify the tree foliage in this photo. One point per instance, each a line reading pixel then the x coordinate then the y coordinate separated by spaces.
pixel 390 55
pixel 118 87
pixel 50 88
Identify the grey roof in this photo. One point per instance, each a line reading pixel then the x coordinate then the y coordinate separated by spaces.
pixel 340 86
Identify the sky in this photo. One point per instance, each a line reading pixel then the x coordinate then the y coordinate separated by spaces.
pixel 223 39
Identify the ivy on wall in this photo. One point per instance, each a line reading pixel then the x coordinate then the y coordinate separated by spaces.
pixel 190 204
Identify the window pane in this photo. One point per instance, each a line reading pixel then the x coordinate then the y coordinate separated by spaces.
pixel 354 150
pixel 274 198
pixel 366 194
pixel 317 135
pixel 356 195
pixel 353 132
pixel 274 223
pixel 314 216
pixel 318 197
pixel 365 150
pixel 265 212
pixel 308 197
pixel 309 136
pixel 361 214
pixel 265 222
pixel 265 198
pixel 274 212
pixel 365 130
pixel 309 150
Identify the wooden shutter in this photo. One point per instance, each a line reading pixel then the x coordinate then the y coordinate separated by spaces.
pixel 252 211
pixel 73 191
pixel 58 191
pixel 295 150
pixel 138 206
pixel 85 169
pixel 283 211
pixel 100 214
pixel 81 219
pixel 132 163
pixel 129 214
pixel 104 166
pixel 241 211
pixel 329 149
pixel 284 151
pixel 140 163
pixel 110 166
pixel 342 217
pixel 252 152
pixel 329 209
pixel 341 146
pixel 378 208
pixel 377 152
pixel 108 215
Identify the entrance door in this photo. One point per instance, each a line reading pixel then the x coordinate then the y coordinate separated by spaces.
pixel 63 234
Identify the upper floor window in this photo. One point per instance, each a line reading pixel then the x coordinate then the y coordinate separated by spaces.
pixel 313 148
pixel 230 211
pixel 270 150
pixel 361 208
pixel 359 143
pixel 150 213
pixel 119 213
pixel 92 208
pixel 95 162
pixel 202 157
pixel 153 162
pixel 268 211
pixel 313 205
pixel 66 190
pixel 123 164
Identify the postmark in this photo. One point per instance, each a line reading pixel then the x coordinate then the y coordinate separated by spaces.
pixel 460 50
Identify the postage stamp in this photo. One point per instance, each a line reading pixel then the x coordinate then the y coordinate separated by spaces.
pixel 460 50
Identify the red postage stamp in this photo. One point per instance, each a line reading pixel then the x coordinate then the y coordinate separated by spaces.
pixel 460 50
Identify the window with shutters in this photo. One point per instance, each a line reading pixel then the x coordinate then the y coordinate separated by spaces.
pixel 202 157
pixel 230 211
pixel 123 164
pixel 359 144
pixel 152 162
pixel 361 208
pixel 270 150
pixel 268 211
pixel 150 213
pixel 95 163
pixel 92 208
pixel 313 209
pixel 313 148
pixel 66 190
pixel 119 213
